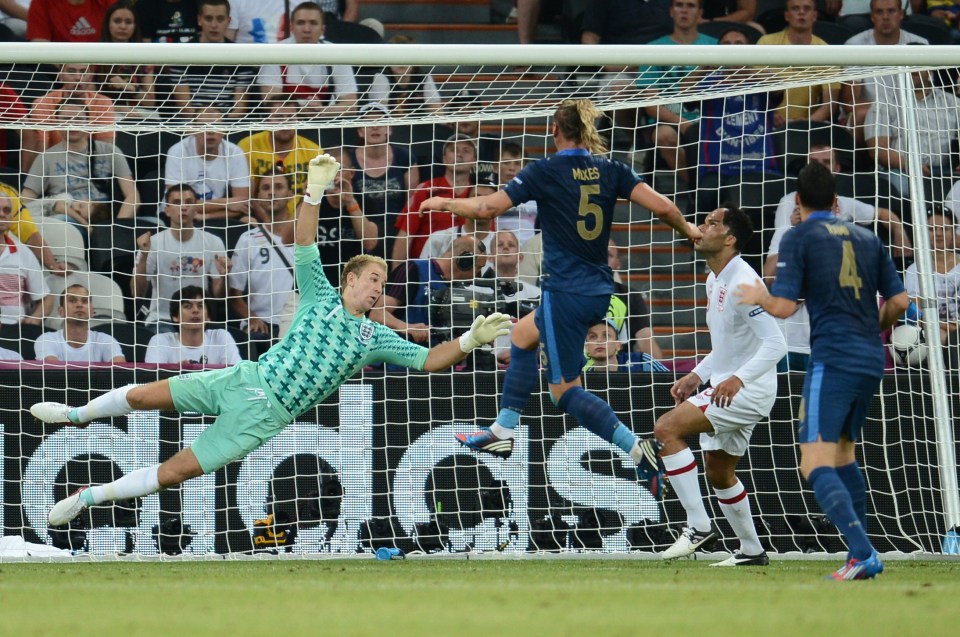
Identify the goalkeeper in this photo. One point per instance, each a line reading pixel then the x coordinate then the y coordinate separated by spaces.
pixel 329 340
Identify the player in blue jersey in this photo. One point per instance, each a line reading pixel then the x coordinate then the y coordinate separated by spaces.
pixel 576 190
pixel 838 269
pixel 330 340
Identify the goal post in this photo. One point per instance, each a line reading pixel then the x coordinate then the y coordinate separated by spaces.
pixel 376 464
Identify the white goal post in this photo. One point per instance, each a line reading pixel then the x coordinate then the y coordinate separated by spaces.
pixel 377 464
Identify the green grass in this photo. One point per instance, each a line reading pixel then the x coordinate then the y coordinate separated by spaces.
pixel 455 598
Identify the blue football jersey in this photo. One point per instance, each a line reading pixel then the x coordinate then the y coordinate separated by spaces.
pixel 838 268
pixel 575 193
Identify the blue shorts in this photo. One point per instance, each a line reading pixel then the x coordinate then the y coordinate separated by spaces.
pixel 563 320
pixel 834 404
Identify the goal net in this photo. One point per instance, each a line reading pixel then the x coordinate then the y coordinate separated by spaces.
pixel 149 190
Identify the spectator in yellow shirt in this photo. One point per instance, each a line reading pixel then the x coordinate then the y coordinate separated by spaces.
pixel 23 227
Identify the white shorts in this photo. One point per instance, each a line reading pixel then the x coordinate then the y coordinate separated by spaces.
pixel 733 424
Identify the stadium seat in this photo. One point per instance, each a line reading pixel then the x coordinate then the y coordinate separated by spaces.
pixel 20 338
pixel 106 297
pixel 832 32
pixel 133 338
pixel 65 241
pixel 857 22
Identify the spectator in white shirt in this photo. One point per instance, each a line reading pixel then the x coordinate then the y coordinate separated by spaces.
pixel 320 89
pixel 193 344
pixel 75 342
pixel 24 296
pixel 215 168
pixel 261 280
pixel 179 256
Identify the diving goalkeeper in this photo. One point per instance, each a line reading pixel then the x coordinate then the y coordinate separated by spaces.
pixel 329 340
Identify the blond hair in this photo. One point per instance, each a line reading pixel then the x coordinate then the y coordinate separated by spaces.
pixel 575 119
pixel 357 264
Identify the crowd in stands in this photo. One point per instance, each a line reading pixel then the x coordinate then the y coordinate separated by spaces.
pixel 211 248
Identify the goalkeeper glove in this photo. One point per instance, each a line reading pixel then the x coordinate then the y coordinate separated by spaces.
pixel 485 330
pixel 320 174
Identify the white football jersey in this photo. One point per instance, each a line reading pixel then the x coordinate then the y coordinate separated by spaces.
pixel 746 340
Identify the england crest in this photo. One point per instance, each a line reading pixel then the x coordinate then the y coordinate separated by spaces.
pixel 366 332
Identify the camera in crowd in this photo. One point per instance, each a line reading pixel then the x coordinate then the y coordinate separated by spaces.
pixel 454 308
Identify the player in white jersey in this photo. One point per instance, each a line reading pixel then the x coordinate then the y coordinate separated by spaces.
pixel 330 340
pixel 741 371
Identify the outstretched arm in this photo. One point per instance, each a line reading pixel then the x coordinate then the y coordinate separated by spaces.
pixel 485 207
pixel 665 210
pixel 485 330
pixel 320 174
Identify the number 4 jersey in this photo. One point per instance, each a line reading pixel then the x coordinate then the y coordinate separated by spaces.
pixel 838 268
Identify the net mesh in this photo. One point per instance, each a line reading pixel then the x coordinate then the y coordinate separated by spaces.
pixel 90 155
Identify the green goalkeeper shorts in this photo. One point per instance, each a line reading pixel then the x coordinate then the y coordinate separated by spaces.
pixel 245 417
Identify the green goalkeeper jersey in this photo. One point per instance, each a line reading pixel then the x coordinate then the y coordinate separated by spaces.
pixel 326 345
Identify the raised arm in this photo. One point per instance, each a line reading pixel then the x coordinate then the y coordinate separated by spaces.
pixel 485 207
pixel 320 174
pixel 665 210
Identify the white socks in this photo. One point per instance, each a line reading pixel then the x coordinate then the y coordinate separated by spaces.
pixel 133 485
pixel 501 432
pixel 113 403
pixel 684 478
pixel 736 508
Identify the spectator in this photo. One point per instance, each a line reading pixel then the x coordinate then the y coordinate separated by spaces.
pixel 12 109
pixel 505 266
pixel 215 168
pixel 320 89
pixel 177 257
pixel 847 209
pixel 887 17
pixel 531 265
pixel 522 219
pixel 260 21
pixel 405 89
pixel 383 175
pixel 75 178
pixel 76 81
pixel 528 17
pixel 413 229
pixel 24 296
pixel 814 103
pixel 605 344
pixel 193 343
pixel 75 342
pixel 487 143
pixel 441 240
pixel 795 328
pixel 949 12
pixel 942 229
pixel 13 15
pixel 343 231
pixel 223 86
pixel 129 86
pixel 65 20
pixel 405 304
pixel 261 281
pixel 671 120
pixel 734 131
pixel 636 322
pixel 167 20
pixel 855 7
pixel 24 229
pixel 938 125
pixel 8 355
pixel 345 10
pixel 625 21
pixel 280 150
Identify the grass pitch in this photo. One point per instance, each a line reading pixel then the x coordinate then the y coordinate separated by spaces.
pixel 427 598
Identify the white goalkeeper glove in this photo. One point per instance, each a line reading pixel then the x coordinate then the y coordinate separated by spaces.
pixel 320 174
pixel 485 330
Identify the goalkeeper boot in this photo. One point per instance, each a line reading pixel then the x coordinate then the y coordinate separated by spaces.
pixel 690 541
pixel 52 413
pixel 485 441
pixel 67 509
pixel 858 569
